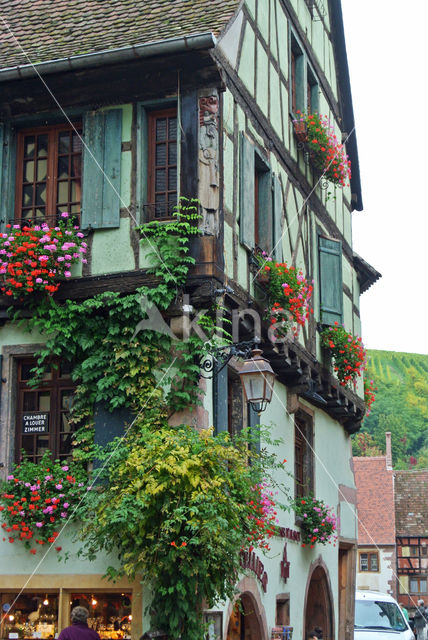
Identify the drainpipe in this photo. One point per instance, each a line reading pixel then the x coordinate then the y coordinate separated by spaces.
pixel 388 451
pixel 170 46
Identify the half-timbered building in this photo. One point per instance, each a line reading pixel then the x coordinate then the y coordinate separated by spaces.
pixel 112 110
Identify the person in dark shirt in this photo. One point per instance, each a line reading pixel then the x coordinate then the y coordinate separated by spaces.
pixel 78 630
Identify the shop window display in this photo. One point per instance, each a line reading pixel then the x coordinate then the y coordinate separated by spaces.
pixel 109 613
pixel 33 616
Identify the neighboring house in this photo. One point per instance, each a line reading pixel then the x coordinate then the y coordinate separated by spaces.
pixel 195 99
pixel 411 513
pixel 376 561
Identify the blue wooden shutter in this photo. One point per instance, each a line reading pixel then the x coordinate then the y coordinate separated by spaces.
pixel 247 206
pixel 7 174
pixel 254 425
pixel 220 384
pixel 277 219
pixel 101 169
pixel 331 288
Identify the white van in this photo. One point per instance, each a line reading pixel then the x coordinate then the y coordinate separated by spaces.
pixel 378 617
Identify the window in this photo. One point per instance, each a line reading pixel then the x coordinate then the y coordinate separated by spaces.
pixel 260 202
pixel 369 562
pixel 282 617
pixel 330 280
pixel 162 164
pixel 304 87
pixel 418 585
pixel 42 422
pixel 303 455
pixel 49 170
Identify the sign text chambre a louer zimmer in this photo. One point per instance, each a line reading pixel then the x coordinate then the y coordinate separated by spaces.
pixel 35 422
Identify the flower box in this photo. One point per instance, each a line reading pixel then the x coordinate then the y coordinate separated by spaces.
pixel 300 131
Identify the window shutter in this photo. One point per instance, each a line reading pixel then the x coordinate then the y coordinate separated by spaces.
pixel 277 219
pixel 220 384
pixel 109 425
pixel 7 174
pixel 101 169
pixel 265 231
pixel 254 425
pixel 247 204
pixel 331 290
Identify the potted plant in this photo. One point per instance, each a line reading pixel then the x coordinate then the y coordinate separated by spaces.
pixel 317 521
pixel 289 294
pixel 347 352
pixel 35 259
pixel 326 153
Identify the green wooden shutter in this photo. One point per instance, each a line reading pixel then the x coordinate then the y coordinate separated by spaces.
pixel 265 231
pixel 277 219
pixel 331 288
pixel 7 174
pixel 247 207
pixel 220 383
pixel 101 169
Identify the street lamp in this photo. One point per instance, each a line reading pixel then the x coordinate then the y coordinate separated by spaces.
pixel 257 379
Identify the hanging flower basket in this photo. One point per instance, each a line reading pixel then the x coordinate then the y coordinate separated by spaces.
pixel 326 153
pixel 347 352
pixel 300 130
pixel 317 521
pixel 289 294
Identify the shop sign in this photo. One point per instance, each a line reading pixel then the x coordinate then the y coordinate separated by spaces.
pixel 291 534
pixel 285 565
pixel 249 560
pixel 35 422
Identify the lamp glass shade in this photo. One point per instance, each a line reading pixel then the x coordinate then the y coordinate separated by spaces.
pixel 257 380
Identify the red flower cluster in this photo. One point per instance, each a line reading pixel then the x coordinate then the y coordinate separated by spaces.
pixel 347 351
pixel 326 152
pixel 34 258
pixel 262 517
pixel 37 498
pixel 289 295
pixel 369 394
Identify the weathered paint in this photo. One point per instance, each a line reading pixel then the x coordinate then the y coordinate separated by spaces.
pixel 111 251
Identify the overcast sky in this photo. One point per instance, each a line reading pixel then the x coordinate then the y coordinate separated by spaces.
pixel 387 56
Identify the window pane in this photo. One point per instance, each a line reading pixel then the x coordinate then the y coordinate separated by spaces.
pixel 76 166
pixel 65 424
pixel 42 146
pixel 373 562
pixel 41 194
pixel 29 146
pixel 29 171
pixel 364 562
pixel 414 586
pixel 30 401
pixel 161 129
pixel 26 371
pixel 66 399
pixel 172 128
pixel 65 443
pixel 42 167
pixel 160 154
pixel 27 194
pixel 62 167
pixel 77 143
pixel 42 444
pixel 40 212
pixel 172 153
pixel 75 209
pixel 44 401
pixel 62 192
pixel 160 182
pixel 172 179
pixel 28 445
pixel 64 143
pixel 75 190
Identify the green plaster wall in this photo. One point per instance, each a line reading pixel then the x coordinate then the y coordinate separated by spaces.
pixel 111 250
pixel 12 334
pixel 246 65
pixel 262 92
pixel 228 250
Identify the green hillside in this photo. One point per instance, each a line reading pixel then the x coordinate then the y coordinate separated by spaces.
pixel 401 407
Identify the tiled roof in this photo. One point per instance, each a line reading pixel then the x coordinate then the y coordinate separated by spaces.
pixel 411 502
pixel 375 501
pixel 51 29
